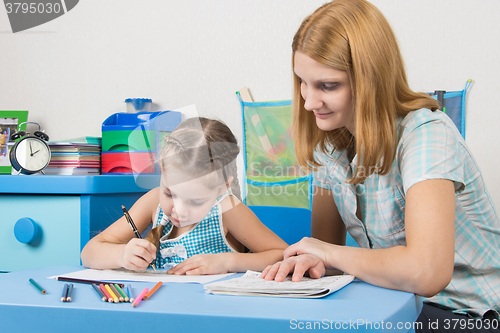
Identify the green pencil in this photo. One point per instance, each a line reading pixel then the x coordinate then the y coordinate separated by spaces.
pixel 37 286
pixel 125 297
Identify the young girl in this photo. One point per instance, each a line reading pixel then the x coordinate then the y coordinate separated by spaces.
pixel 391 169
pixel 199 223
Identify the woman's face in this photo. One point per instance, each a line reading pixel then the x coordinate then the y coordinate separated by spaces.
pixel 327 93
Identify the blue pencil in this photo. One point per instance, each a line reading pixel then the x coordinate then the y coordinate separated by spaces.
pixel 99 292
pixel 64 293
pixel 33 282
pixel 70 292
pixel 129 293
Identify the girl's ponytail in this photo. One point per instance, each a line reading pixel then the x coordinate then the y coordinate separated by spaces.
pixel 154 236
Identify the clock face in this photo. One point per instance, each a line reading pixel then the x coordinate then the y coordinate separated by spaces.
pixel 32 154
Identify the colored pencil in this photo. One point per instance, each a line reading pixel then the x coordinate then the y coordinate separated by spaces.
pixel 129 293
pixel 125 297
pixel 110 291
pixel 64 293
pixel 139 298
pixel 117 293
pixel 152 291
pixel 99 292
pixel 67 279
pixel 37 286
pixel 105 292
pixel 70 293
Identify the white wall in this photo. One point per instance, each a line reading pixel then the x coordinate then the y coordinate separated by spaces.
pixel 75 71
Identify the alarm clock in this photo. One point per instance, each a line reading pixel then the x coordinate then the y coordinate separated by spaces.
pixel 31 154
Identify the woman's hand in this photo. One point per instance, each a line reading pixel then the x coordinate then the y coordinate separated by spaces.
pixel 310 255
pixel 312 246
pixel 299 265
pixel 202 264
pixel 138 254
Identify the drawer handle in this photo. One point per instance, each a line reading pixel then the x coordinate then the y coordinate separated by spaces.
pixel 26 230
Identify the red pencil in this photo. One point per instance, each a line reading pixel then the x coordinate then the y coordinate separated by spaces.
pixel 105 292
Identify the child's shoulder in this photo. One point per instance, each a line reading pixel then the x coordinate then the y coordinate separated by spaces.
pixel 229 202
pixel 153 194
pixel 150 200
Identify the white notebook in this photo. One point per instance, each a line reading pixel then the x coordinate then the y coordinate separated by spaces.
pixel 251 284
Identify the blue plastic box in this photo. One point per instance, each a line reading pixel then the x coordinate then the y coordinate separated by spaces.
pixel 135 133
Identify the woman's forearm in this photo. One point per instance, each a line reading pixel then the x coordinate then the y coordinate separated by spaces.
pixel 397 268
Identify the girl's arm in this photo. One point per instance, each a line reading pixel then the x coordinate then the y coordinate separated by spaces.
pixel 267 248
pixel 424 266
pixel 117 245
pixel 327 226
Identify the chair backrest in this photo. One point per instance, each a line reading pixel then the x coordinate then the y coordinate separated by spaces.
pixel 290 223
pixel 453 104
pixel 272 176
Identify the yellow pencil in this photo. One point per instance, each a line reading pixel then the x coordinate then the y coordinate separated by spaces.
pixel 110 291
pixel 117 293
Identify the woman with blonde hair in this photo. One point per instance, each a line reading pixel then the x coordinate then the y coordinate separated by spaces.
pixel 390 169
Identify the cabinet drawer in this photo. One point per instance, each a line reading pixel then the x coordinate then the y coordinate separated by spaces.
pixel 58 239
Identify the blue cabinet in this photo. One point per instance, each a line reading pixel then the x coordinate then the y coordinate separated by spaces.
pixel 47 220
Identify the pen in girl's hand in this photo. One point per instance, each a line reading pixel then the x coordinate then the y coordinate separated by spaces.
pixel 134 228
pixel 130 222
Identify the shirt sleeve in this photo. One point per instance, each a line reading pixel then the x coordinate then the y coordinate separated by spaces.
pixel 432 150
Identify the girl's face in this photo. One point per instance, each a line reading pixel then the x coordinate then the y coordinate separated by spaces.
pixel 190 201
pixel 326 92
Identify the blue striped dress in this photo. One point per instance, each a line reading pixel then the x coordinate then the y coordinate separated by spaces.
pixel 207 236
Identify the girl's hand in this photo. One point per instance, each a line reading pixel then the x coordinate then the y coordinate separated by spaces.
pixel 299 265
pixel 138 254
pixel 201 264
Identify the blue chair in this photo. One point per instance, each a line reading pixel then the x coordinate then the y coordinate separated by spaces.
pixel 290 223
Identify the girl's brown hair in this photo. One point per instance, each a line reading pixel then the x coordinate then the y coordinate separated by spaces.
pixel 199 146
pixel 353 36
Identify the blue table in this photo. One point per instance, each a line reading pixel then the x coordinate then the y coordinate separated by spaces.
pixel 179 307
pixel 67 211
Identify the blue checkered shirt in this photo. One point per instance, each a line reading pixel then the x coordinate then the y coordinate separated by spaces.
pixel 429 147
pixel 207 236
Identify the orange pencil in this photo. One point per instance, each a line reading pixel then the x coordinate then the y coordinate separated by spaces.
pixel 105 291
pixel 151 292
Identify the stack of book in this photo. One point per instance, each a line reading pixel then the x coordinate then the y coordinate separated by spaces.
pixel 80 156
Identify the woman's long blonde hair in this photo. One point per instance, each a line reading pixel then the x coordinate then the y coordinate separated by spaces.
pixel 353 36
